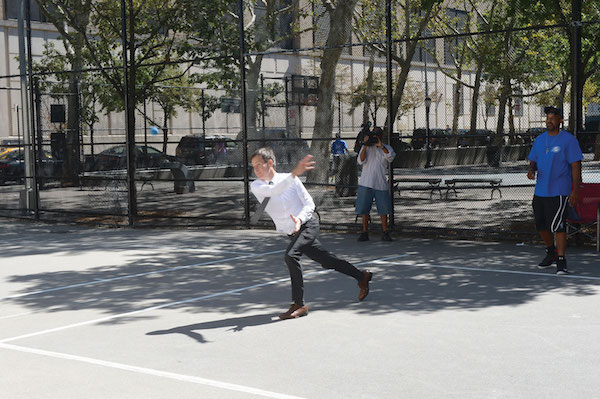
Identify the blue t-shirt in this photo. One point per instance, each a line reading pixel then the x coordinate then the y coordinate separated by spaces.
pixel 554 156
pixel 339 147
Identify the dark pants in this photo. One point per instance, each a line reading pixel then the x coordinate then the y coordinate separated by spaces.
pixel 305 242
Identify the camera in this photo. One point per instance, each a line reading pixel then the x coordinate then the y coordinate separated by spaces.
pixel 374 136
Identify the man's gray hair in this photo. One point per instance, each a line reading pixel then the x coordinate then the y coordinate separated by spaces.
pixel 266 153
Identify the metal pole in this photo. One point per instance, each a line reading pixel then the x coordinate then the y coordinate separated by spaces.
pixel 389 83
pixel 35 193
pixel 577 71
pixel 262 101
pixel 339 114
pixel 132 206
pixel 287 104
pixel 18 127
pixel 28 158
pixel 92 128
pixel 203 118
pixel 38 129
pixel 428 163
pixel 145 126
pixel 243 113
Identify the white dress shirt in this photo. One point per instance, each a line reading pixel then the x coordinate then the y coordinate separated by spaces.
pixel 374 172
pixel 288 196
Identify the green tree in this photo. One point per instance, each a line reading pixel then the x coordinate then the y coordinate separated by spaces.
pixel 409 21
pixel 215 40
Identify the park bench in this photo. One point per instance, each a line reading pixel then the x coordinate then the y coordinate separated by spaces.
pixel 472 183
pixel 425 183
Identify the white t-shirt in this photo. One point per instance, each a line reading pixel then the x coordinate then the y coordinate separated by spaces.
pixel 288 196
pixel 375 165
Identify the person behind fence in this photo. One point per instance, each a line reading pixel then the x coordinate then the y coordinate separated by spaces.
pixel 220 152
pixel 365 130
pixel 339 149
pixel 556 158
pixel 374 156
pixel 291 207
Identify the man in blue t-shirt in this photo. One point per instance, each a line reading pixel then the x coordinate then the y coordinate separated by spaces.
pixel 339 149
pixel 556 157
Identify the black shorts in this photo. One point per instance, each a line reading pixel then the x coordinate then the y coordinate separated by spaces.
pixel 550 213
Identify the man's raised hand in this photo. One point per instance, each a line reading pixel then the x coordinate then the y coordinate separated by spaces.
pixel 305 164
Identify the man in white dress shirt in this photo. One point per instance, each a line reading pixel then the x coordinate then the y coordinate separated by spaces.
pixel 291 207
pixel 374 156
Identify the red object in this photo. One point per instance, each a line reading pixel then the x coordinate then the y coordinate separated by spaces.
pixel 588 211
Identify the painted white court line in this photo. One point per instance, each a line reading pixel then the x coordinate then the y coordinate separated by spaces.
pixel 171 304
pixel 478 269
pixel 128 276
pixel 156 373
pixel 18 314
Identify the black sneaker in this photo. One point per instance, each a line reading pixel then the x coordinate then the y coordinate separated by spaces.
pixel 561 266
pixel 386 236
pixel 364 236
pixel 551 256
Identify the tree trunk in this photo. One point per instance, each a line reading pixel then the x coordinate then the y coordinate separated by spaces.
pixel 165 129
pixel 504 95
pixel 367 104
pixel 252 96
pixel 456 106
pixel 339 32
pixel 511 117
pixel 71 165
pixel 475 98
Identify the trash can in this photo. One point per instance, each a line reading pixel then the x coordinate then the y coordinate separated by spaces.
pixel 493 155
pixel 346 178
pixel 181 176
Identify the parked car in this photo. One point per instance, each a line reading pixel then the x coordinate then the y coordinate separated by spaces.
pixel 530 134
pixel 197 149
pixel 116 158
pixel 398 144
pixel 288 148
pixel 12 166
pixel 481 137
pixel 437 138
pixel 6 144
pixel 10 149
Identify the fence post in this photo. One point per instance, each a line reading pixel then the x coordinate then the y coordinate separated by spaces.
pixel 389 83
pixel 40 138
pixel 203 117
pixel 129 131
pixel 243 115
pixel 577 71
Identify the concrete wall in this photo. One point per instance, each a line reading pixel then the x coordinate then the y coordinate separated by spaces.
pixel 457 156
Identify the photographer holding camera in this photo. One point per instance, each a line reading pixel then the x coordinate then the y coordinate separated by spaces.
pixel 374 157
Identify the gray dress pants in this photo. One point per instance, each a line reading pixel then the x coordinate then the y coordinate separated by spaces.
pixel 305 242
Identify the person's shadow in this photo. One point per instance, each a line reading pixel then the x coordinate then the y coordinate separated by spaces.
pixel 236 324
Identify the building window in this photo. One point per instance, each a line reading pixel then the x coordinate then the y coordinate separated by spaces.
pixel 425 49
pixel 12 10
pixel 286 20
pixel 453 46
pixel 281 29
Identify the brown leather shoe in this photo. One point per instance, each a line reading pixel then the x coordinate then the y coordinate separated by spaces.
pixel 294 311
pixel 364 285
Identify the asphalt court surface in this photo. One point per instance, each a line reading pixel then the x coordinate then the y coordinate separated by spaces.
pixel 135 313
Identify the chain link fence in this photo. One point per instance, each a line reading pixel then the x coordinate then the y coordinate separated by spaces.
pixel 462 96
